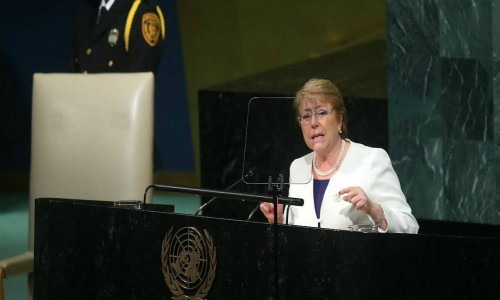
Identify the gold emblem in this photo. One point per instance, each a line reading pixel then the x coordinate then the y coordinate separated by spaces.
pixel 189 262
pixel 151 28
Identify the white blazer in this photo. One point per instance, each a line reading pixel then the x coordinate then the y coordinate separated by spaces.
pixel 366 167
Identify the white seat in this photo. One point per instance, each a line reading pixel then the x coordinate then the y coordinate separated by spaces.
pixel 92 139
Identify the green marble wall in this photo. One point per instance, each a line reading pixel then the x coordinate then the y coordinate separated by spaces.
pixel 444 106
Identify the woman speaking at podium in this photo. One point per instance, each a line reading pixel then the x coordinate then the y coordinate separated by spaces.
pixel 352 184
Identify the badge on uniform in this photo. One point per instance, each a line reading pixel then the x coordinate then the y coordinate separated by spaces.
pixel 151 28
pixel 113 37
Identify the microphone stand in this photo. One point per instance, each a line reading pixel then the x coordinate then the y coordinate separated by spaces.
pixel 281 180
pixel 276 190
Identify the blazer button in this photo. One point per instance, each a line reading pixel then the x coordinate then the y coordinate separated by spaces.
pixel 89 51
pixel 110 63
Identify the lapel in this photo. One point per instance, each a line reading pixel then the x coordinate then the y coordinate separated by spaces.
pixel 114 18
pixel 308 189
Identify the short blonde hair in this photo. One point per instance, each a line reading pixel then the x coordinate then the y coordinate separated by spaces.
pixel 332 93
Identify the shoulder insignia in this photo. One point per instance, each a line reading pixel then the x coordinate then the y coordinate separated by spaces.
pixel 151 28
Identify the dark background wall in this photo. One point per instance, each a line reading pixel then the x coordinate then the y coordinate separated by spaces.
pixel 208 42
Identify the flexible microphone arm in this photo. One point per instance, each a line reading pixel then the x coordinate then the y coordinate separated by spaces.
pixel 224 194
pixel 256 208
pixel 200 209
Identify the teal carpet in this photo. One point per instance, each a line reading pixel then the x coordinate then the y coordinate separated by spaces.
pixel 14 239
pixel 14 231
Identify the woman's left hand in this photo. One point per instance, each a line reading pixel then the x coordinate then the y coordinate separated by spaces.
pixel 357 197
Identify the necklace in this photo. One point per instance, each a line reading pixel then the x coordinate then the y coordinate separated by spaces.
pixel 335 166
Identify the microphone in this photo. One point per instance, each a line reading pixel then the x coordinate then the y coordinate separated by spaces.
pixel 256 208
pixel 281 181
pixel 250 173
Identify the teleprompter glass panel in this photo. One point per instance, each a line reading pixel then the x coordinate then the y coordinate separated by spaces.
pixel 273 140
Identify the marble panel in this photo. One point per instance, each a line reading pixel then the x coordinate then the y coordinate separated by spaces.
pixel 495 24
pixel 413 27
pixel 444 107
pixel 466 95
pixel 471 181
pixel 465 28
pixel 420 170
pixel 416 131
pixel 496 101
pixel 415 107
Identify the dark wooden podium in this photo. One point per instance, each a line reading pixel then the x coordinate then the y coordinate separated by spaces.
pixel 95 250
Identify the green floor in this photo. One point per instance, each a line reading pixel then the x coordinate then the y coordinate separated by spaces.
pixel 14 230
pixel 14 239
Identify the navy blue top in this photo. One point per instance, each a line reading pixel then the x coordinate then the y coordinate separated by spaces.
pixel 319 189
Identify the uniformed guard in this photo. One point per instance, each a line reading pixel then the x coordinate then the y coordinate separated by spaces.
pixel 119 36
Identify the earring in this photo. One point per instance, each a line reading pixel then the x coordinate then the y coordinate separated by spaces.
pixel 340 130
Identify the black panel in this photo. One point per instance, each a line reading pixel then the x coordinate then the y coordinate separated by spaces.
pixel 89 250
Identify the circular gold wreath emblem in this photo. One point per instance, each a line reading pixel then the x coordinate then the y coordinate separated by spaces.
pixel 189 261
pixel 151 28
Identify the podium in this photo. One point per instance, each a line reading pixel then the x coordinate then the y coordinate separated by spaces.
pixel 96 250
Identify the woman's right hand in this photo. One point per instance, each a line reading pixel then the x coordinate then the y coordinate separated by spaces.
pixel 268 210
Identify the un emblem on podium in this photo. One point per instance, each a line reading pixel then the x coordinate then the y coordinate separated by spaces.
pixel 189 261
